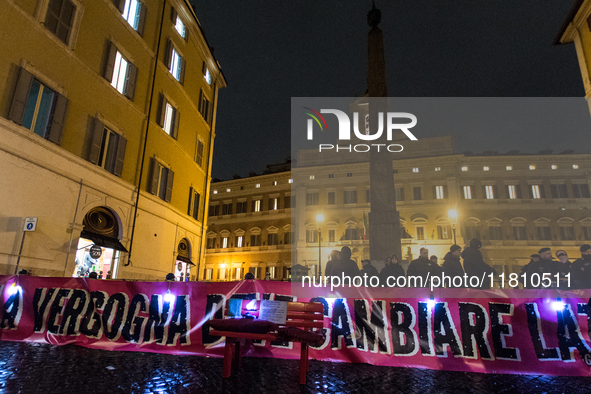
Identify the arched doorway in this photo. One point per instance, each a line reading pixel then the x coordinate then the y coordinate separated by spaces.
pixel 183 265
pixel 99 249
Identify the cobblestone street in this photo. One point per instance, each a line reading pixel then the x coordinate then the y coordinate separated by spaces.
pixel 41 368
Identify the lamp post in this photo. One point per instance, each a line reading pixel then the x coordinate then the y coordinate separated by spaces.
pixel 319 221
pixel 452 215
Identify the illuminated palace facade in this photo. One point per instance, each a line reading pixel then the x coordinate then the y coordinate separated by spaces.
pixel 514 203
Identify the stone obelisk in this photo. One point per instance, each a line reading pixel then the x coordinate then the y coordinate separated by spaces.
pixel 384 220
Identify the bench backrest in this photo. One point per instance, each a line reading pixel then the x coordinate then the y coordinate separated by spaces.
pixel 304 315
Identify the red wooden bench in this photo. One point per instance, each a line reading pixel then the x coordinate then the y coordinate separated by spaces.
pixel 303 315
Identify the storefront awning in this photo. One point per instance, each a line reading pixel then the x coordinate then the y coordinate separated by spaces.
pixel 184 259
pixel 104 242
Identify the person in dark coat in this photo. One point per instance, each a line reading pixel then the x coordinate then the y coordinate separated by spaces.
pixel 452 265
pixel 474 264
pixel 334 256
pixel 535 271
pixel 344 265
pixel 424 268
pixel 368 270
pixel 581 269
pixel 391 269
pixel 564 267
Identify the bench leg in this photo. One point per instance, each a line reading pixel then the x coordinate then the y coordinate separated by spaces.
pixel 237 357
pixel 303 363
pixel 227 359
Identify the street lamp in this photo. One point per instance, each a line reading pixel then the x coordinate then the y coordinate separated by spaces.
pixel 319 221
pixel 452 215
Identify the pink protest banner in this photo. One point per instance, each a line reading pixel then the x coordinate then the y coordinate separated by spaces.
pixel 512 331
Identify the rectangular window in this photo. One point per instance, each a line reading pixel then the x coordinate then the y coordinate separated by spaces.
pixel 194 209
pixel 134 13
pixel 311 198
pixel 175 65
pixel 311 236
pixel 567 233
pixel 443 232
pixel 286 202
pixel 272 272
pixel 513 192
pixel 587 233
pixel 180 26
pixel 350 197
pixel 467 192
pixel 272 239
pixel 203 106
pixel 472 232
pixel 490 192
pixel 519 233
pixel 351 234
pixel 210 243
pixel 367 195
pixel 222 273
pixel 206 74
pixel 287 238
pixel 399 194
pixel 241 207
pixel 439 192
pixel 256 205
pixel 227 209
pixel 237 273
pixel 224 242
pixel 60 18
pixel 239 241
pixel 273 203
pixel 581 190
pixel 417 193
pixel 495 233
pixel 331 198
pixel 544 233
pixel 537 191
pixel 199 153
pixel 255 240
pixel 209 274
pixel 559 191
pixel 332 235
pixel 107 149
pixel 120 72
pixel 214 210
pixel 254 271
pixel 420 232
pixel 161 181
pixel 168 117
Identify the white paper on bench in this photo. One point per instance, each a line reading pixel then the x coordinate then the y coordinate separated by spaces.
pixel 273 311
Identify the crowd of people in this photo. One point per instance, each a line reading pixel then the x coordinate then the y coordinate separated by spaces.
pixel 541 272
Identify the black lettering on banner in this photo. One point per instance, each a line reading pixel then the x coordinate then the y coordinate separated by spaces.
pixel 41 299
pixel 327 312
pixel 370 330
pixel 91 323
pixel 286 298
pixel 134 324
pixel 341 325
pixel 445 333
pixel 404 337
pixel 474 323
pixel 157 324
pixel 180 325
pixel 425 332
pixel 268 296
pixel 113 315
pixel 583 310
pixel 500 330
pixel 214 309
pixel 569 335
pixel 57 309
pixel 12 310
pixel 534 323
pixel 74 312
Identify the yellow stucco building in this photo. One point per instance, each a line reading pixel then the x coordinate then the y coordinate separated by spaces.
pixel 101 100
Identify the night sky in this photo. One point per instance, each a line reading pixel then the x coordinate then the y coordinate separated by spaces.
pixel 273 50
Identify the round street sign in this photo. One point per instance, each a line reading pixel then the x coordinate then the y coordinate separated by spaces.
pixel 95 251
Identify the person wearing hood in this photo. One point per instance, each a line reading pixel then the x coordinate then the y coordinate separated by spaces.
pixel 452 265
pixel 474 264
pixel 581 269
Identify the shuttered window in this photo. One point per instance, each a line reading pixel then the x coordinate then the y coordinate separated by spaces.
pixel 199 153
pixel 168 117
pixel 161 180
pixel 194 209
pixel 38 108
pixel 174 62
pixel 134 12
pixel 60 19
pixel 120 72
pixel 107 149
pixel 204 106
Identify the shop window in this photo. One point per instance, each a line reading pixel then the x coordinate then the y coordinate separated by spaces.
pixel 60 19
pixel 107 149
pixel 161 180
pixel 194 206
pixel 174 62
pixel 134 12
pixel 120 72
pixel 182 272
pixel 38 108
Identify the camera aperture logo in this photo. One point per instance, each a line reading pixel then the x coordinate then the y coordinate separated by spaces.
pixel 345 130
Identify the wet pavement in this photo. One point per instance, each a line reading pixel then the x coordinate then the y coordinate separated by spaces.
pixel 41 368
